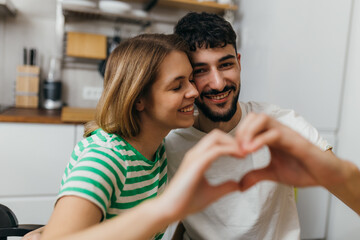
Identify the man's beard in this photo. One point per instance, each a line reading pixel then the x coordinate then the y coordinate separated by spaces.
pixel 213 115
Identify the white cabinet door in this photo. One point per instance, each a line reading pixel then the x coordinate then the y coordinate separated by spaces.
pixel 2 58
pixel 31 209
pixel 313 205
pixel 33 158
pixel 293 55
pixel 345 223
pixel 79 133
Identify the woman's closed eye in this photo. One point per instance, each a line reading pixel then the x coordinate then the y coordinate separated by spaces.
pixel 178 87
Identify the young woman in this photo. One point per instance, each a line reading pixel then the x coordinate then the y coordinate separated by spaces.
pixel 148 91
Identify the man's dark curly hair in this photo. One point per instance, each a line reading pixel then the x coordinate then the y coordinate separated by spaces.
pixel 205 29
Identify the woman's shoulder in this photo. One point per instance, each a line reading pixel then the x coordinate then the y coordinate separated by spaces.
pixel 101 139
pixel 108 144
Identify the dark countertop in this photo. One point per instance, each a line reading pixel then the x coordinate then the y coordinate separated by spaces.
pixel 31 115
pixel 66 115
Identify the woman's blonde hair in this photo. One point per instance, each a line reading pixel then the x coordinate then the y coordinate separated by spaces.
pixel 130 71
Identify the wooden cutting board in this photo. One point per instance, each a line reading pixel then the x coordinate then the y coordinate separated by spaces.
pixel 86 45
pixel 80 115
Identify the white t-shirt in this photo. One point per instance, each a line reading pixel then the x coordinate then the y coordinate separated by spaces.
pixel 266 211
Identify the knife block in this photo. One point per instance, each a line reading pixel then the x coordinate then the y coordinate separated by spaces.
pixel 27 86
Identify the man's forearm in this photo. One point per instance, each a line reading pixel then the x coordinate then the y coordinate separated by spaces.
pixel 349 190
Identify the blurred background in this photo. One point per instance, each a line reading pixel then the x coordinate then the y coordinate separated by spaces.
pixel 303 55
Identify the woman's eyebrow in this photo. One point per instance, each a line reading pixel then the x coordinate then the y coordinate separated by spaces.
pixel 179 78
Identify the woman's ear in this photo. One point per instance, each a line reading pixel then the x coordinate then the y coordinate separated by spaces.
pixel 139 104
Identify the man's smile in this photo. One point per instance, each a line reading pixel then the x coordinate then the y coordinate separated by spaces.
pixel 218 96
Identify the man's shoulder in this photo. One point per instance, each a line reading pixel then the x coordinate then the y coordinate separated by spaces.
pixel 180 140
pixel 177 137
pixel 185 134
pixel 288 117
pixel 260 107
pixel 177 143
pixel 285 115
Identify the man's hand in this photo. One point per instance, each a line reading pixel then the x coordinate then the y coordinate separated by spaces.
pixel 294 160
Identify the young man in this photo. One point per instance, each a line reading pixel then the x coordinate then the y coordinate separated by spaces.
pixel 266 211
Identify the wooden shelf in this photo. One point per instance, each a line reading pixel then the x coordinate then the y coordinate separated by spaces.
pixel 192 5
pixel 76 13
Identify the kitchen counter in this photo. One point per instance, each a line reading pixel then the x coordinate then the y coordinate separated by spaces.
pixel 30 115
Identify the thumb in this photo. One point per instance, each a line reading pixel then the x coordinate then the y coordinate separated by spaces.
pixel 255 176
pixel 32 236
pixel 223 189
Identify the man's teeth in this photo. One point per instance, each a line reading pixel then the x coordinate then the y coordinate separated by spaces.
pixel 221 96
pixel 187 109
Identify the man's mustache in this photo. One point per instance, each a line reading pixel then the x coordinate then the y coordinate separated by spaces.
pixel 216 92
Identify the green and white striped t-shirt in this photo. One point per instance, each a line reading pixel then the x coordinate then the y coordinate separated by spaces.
pixel 109 172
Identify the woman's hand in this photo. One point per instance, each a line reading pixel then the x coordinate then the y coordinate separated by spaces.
pixel 189 191
pixel 33 235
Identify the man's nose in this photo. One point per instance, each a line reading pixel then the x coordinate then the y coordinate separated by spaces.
pixel 217 80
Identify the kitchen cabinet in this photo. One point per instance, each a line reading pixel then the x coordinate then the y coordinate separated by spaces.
pixel 79 132
pixel 343 222
pixel 33 158
pixel 316 200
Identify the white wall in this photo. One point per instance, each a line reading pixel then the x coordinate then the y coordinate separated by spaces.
pixel 294 54
pixel 33 27
pixel 344 223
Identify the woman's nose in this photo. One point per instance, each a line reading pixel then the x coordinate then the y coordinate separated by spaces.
pixel 192 92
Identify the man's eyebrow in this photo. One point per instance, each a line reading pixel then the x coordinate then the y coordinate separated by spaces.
pixel 226 57
pixel 199 64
